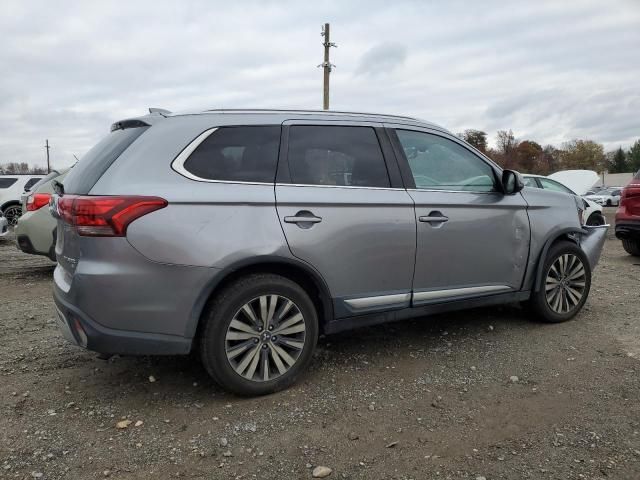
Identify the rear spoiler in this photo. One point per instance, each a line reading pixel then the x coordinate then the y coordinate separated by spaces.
pixel 145 121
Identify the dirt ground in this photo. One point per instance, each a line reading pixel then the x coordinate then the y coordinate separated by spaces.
pixel 430 398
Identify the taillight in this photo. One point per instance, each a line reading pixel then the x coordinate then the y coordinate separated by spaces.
pixel 105 216
pixel 37 200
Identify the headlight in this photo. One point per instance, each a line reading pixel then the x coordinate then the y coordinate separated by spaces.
pixel 581 205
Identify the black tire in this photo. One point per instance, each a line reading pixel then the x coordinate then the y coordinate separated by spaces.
pixel 609 203
pixel 632 247
pixel 596 219
pixel 227 305
pixel 12 212
pixel 539 301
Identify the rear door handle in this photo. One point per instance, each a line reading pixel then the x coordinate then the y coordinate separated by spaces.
pixel 303 217
pixel 434 217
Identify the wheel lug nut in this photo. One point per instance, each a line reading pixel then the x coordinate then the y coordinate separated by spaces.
pixel 274 338
pixel 255 340
pixel 270 327
pixel 264 346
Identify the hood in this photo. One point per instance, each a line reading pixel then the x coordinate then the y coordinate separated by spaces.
pixel 580 181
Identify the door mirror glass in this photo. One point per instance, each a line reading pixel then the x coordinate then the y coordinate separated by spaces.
pixel 511 182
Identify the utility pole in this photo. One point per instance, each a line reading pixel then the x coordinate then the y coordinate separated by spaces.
pixel 46 146
pixel 327 66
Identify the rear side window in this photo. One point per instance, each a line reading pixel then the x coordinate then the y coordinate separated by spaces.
pixel 530 182
pixel 84 175
pixel 7 182
pixel 31 183
pixel 237 154
pixel 336 155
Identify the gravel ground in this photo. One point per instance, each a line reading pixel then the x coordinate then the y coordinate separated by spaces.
pixel 430 398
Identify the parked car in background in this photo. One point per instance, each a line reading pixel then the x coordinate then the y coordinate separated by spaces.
pixel 609 196
pixel 592 211
pixel 36 228
pixel 4 225
pixel 296 223
pixel 11 188
pixel 628 217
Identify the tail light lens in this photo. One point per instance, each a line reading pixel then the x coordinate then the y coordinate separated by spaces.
pixel 105 216
pixel 37 200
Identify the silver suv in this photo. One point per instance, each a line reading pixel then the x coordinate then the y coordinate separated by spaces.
pixel 246 234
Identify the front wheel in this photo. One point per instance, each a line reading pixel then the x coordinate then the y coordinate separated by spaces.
pixel 566 283
pixel 632 247
pixel 259 335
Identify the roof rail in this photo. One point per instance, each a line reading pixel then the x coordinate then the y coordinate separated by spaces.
pixel 325 112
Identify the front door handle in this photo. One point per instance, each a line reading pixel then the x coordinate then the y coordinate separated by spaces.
pixel 434 218
pixel 303 218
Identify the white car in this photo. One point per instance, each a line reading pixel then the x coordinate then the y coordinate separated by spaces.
pixel 11 188
pixel 581 181
pixel 609 196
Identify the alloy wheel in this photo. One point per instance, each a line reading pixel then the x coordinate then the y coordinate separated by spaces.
pixel 565 283
pixel 12 214
pixel 265 338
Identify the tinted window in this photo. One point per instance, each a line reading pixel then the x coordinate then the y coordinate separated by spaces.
pixel 42 181
pixel 241 154
pixel 7 182
pixel 96 161
pixel 344 156
pixel 555 186
pixel 30 183
pixel 530 182
pixel 441 164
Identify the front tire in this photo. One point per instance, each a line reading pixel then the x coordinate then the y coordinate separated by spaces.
pixel 259 335
pixel 632 247
pixel 12 213
pixel 566 283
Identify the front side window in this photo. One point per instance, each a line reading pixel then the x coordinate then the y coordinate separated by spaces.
pixel 438 163
pixel 336 155
pixel 555 186
pixel 237 154
pixel 7 182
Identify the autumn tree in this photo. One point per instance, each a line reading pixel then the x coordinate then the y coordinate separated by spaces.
pixel 506 143
pixel 528 156
pixel 477 138
pixel 583 155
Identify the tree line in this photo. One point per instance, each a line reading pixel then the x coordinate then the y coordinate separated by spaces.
pixel 528 156
pixel 15 168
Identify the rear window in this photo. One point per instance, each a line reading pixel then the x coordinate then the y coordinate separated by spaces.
pixel 240 154
pixel 41 181
pixel 84 175
pixel 7 182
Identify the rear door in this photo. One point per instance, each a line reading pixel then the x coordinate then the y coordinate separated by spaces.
pixel 344 210
pixel 472 239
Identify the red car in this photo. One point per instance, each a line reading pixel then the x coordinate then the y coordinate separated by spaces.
pixel 628 217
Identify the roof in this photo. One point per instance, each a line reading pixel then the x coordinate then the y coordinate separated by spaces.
pixel 336 115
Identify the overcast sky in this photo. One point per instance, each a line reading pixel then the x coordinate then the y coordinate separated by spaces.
pixel 550 71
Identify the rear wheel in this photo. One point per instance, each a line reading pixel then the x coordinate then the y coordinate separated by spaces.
pixel 596 219
pixel 566 283
pixel 12 213
pixel 632 247
pixel 260 334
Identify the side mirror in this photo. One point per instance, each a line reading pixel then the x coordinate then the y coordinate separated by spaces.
pixel 511 182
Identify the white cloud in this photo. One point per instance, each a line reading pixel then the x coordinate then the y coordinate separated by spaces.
pixel 548 70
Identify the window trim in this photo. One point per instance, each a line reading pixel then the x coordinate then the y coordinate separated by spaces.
pixel 283 178
pixel 405 169
pixel 177 165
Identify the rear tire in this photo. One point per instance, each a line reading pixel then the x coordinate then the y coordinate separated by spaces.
pixel 271 340
pixel 632 247
pixel 12 213
pixel 566 283
pixel 596 219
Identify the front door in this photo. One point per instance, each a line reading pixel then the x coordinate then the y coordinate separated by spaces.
pixel 472 240
pixel 341 214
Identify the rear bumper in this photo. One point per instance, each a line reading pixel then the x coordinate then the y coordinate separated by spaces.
pixel 626 230
pixel 592 241
pixel 79 329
